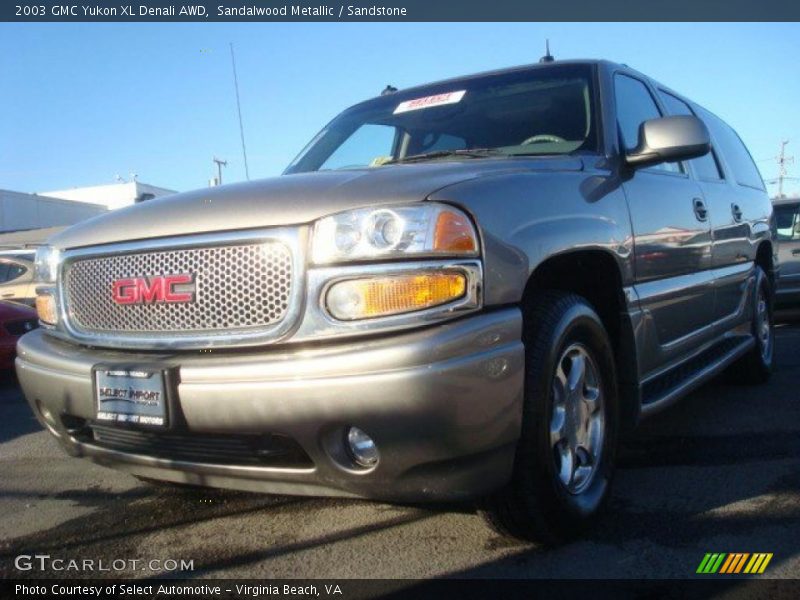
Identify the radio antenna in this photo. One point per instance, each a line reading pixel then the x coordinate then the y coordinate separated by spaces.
pixel 547 58
pixel 239 110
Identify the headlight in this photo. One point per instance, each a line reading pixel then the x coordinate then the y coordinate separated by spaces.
pixel 425 229
pixel 46 265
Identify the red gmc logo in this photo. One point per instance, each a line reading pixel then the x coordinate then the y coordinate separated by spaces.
pixel 147 290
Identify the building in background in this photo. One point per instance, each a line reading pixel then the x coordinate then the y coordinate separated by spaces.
pixel 113 195
pixel 20 211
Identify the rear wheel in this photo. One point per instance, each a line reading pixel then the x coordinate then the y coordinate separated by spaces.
pixel 565 456
pixel 756 366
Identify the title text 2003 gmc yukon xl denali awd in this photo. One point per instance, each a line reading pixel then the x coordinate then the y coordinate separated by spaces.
pixel 467 289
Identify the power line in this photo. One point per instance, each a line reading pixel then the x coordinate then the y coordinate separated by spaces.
pixel 239 109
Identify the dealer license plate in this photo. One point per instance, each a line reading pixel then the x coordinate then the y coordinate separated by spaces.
pixel 135 396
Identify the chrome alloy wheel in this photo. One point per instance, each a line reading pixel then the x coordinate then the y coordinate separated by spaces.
pixel 764 324
pixel 577 425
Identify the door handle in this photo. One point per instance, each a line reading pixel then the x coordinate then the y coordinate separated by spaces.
pixel 9 295
pixel 796 251
pixel 736 212
pixel 700 210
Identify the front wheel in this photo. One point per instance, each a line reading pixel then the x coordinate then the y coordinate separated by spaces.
pixel 565 456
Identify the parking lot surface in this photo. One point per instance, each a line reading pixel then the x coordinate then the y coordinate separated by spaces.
pixel 719 472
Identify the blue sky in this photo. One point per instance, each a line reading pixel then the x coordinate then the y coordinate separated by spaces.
pixel 84 102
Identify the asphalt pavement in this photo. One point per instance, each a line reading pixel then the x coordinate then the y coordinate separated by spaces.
pixel 719 472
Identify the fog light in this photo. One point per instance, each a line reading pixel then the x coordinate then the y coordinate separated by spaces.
pixel 393 294
pixel 362 448
pixel 46 308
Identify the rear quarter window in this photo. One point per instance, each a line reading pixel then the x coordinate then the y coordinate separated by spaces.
pixel 733 150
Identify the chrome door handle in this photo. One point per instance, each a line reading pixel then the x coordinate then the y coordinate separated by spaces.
pixel 736 212
pixel 700 210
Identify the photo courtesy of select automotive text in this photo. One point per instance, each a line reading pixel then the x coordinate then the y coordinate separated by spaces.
pixel 388 299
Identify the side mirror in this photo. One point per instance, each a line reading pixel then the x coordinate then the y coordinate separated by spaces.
pixel 669 139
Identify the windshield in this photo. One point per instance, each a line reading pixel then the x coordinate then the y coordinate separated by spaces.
pixel 545 110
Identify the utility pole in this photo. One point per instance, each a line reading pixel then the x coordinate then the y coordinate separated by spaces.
pixel 783 161
pixel 220 163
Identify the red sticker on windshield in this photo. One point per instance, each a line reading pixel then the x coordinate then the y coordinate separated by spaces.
pixel 429 101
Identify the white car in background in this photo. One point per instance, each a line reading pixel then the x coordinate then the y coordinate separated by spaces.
pixel 16 276
pixel 787 217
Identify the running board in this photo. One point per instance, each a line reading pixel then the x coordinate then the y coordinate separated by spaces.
pixel 669 387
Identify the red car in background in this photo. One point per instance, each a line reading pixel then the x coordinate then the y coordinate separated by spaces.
pixel 15 320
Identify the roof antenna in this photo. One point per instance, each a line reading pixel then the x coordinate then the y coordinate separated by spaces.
pixel 547 58
pixel 389 89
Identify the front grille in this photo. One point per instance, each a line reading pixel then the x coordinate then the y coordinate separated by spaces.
pixel 269 450
pixel 21 327
pixel 236 287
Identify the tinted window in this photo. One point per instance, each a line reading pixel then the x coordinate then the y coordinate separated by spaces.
pixel 706 167
pixel 788 222
pixel 635 105
pixel 733 150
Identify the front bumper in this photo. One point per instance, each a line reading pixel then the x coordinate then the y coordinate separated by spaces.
pixel 443 404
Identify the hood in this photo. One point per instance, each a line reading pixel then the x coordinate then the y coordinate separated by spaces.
pixel 289 199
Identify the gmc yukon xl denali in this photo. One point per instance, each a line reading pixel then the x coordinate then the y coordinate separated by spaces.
pixel 464 290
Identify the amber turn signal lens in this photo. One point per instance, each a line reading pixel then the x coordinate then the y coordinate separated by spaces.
pixel 46 308
pixel 454 233
pixel 393 295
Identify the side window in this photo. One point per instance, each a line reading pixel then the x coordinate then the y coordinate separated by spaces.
pixel 3 272
pixel 788 222
pixel 367 146
pixel 733 150
pixel 15 272
pixel 706 167
pixel 635 105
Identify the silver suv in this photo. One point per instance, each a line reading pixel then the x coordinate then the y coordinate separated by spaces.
pixel 462 290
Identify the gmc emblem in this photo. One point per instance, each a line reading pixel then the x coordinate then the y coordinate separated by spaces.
pixel 148 290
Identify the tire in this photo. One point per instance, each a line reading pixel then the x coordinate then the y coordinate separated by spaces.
pixel 755 367
pixel 540 504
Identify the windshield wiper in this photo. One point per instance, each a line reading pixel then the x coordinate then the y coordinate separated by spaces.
pixel 465 152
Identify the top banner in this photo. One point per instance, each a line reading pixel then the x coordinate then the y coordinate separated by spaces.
pixel 401 10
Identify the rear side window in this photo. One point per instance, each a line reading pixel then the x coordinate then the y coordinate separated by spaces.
pixel 788 222
pixel 733 150
pixel 706 167
pixel 635 105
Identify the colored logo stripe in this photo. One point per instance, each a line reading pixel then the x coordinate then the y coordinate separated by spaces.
pixel 724 563
pixel 711 562
pixel 734 562
pixel 758 563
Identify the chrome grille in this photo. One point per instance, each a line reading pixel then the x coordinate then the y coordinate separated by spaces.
pixel 237 287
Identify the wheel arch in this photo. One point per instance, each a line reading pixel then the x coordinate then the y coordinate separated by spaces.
pixel 595 275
